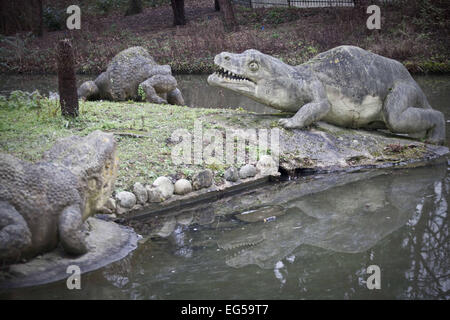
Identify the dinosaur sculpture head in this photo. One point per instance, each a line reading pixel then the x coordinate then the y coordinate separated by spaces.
pixel 256 75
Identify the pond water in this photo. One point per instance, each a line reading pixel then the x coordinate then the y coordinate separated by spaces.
pixel 327 230
pixel 196 91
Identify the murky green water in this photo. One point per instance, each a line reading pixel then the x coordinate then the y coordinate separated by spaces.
pixel 328 229
pixel 331 229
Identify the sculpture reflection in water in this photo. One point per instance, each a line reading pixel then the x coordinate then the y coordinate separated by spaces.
pixel 345 213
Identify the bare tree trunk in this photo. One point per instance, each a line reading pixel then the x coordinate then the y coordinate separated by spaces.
pixel 134 7
pixel 3 17
pixel 67 85
pixel 179 18
pixel 229 20
pixel 360 3
pixel 216 5
pixel 38 19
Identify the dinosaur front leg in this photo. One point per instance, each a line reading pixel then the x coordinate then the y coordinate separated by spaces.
pixel 175 97
pixel 306 115
pixel 71 235
pixel 158 85
pixel 311 112
pixel 15 236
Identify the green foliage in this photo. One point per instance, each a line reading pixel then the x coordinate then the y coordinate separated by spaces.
pixel 105 6
pixel 312 50
pixel 141 93
pixel 45 108
pixel 14 49
pixel 54 19
pixel 432 14
pixel 275 16
pixel 156 3
pixel 22 99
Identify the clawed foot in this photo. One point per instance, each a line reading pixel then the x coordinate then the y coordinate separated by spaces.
pixel 157 100
pixel 289 124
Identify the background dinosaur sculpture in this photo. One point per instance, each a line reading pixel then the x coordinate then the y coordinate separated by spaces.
pixel 345 86
pixel 133 75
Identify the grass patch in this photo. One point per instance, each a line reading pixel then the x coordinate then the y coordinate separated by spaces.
pixel 142 132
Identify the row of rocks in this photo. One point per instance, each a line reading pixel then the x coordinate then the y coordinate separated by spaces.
pixel 265 166
pixel 163 188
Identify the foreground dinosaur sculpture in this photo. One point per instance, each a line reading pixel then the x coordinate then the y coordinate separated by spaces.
pixel 129 70
pixel 44 203
pixel 345 86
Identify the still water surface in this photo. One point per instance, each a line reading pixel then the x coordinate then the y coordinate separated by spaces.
pixel 328 229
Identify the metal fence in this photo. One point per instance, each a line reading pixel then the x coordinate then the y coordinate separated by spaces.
pixel 300 3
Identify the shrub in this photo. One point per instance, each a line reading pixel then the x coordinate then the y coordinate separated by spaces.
pixel 54 19
pixel 105 6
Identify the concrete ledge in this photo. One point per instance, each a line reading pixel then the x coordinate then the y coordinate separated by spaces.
pixel 108 242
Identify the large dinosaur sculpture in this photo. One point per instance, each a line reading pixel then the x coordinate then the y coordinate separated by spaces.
pixel 345 86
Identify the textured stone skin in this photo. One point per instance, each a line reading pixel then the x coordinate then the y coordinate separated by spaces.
pixel 44 203
pixel 129 69
pixel 345 86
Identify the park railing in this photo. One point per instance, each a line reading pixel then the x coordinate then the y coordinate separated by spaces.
pixel 301 3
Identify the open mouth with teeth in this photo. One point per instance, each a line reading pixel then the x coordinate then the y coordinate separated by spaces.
pixel 230 80
pixel 230 76
pixel 238 252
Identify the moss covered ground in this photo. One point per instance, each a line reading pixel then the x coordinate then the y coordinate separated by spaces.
pixel 142 132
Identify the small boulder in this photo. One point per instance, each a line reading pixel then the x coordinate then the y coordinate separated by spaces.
pixel 203 179
pixel 140 192
pixel 185 219
pixel 182 186
pixel 232 174
pixel 247 171
pixel 267 166
pixel 154 194
pixel 164 185
pixel 126 199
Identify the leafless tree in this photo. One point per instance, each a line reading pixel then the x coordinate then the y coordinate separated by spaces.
pixel 68 96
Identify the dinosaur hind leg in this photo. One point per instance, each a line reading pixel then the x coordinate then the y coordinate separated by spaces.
pixel 406 110
pixel 15 236
pixel 71 235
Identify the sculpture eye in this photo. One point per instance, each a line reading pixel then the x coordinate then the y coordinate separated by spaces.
pixel 253 66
